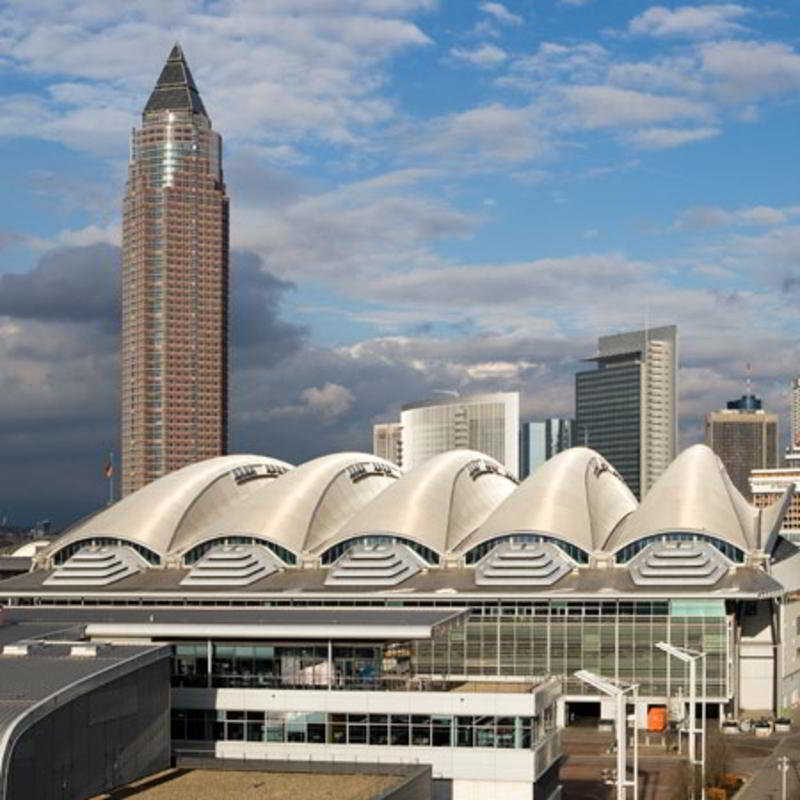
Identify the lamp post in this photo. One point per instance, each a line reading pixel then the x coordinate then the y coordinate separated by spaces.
pixel 618 693
pixel 691 657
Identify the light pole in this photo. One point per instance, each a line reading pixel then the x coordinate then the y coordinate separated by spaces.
pixel 618 693
pixel 691 657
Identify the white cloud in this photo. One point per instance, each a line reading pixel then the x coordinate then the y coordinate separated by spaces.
pixel 485 55
pixel 691 21
pixel 330 400
pixel 706 217
pixel 501 13
pixel 481 138
pixel 663 138
pixel 751 69
pixel 608 106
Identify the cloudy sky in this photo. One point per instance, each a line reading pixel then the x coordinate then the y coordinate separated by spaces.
pixel 426 194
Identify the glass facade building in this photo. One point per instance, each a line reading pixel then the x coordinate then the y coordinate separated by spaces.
pixel 539 441
pixel 626 408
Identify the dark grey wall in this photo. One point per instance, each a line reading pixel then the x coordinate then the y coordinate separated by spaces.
pixel 109 736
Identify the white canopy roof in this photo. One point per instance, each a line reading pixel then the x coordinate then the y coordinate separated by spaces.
pixel 575 496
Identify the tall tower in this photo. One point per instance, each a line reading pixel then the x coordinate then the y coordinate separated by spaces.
pixel 745 437
pixel 627 408
pixel 174 285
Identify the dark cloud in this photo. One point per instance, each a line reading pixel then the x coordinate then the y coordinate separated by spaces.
pixel 258 335
pixel 76 283
pixel 59 345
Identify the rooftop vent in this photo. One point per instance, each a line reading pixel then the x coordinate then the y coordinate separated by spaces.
pixel 95 565
pixel 380 564
pixel 691 563
pixel 523 564
pixel 232 565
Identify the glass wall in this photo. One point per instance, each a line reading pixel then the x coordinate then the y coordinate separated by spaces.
pixel 282 665
pixel 418 730
pixel 615 639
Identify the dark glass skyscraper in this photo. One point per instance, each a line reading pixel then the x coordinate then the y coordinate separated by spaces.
pixel 626 408
pixel 174 285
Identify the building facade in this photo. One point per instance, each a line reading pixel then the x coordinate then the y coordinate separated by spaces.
pixel 627 408
pixel 387 441
pixel 794 416
pixel 174 381
pixel 744 439
pixel 488 423
pixel 539 441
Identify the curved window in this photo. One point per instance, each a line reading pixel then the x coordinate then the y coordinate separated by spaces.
pixel 338 550
pixel 197 552
pixel 477 553
pixel 630 550
pixel 104 541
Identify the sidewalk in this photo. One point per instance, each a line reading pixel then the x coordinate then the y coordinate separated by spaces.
pixel 766 781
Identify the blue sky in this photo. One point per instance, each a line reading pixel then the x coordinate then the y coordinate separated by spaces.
pixel 424 195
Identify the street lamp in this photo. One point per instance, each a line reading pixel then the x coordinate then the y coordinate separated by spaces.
pixel 691 657
pixel 618 693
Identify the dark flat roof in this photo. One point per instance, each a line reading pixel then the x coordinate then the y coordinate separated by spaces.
pixel 28 679
pixel 585 582
pixel 298 617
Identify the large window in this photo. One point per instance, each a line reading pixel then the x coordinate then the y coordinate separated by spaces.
pixel 196 553
pixel 477 553
pixel 104 541
pixel 629 551
pixel 338 550
pixel 398 730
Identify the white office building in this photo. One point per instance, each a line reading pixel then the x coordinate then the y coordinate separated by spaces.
pixel 488 423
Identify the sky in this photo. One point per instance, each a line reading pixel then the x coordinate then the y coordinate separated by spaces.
pixel 425 195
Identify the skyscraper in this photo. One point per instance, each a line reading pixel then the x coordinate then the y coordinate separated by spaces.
pixel 174 285
pixel 539 441
pixel 627 408
pixel 488 423
pixel 745 438
pixel 794 419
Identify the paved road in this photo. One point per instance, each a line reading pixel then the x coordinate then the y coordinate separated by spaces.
pixel 766 781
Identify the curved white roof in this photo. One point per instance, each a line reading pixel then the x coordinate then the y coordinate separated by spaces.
pixel 437 504
pixel 153 515
pixel 302 507
pixel 694 494
pixel 575 496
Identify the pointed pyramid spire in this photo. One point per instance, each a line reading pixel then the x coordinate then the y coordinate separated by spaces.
pixel 175 89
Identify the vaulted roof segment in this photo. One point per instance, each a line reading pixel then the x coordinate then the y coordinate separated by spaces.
pixel 304 506
pixel 175 89
pixel 437 504
pixel 576 496
pixel 696 495
pixel 155 515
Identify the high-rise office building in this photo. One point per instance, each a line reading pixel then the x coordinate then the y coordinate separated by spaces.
pixel 767 485
pixel 174 285
pixel 627 407
pixel 745 438
pixel 794 418
pixel 539 441
pixel 387 441
pixel 488 423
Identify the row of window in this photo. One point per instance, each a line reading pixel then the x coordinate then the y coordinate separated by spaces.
pixel 419 730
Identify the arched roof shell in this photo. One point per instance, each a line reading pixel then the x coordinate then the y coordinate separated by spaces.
pixel 575 496
pixel 153 515
pixel 303 506
pixel 694 494
pixel 436 504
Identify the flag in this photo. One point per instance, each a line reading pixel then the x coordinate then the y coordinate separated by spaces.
pixel 109 468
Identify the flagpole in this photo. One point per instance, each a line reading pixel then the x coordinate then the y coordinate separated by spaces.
pixel 111 478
